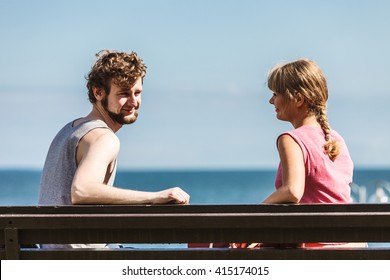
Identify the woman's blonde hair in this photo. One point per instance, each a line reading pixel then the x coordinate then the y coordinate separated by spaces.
pixel 304 77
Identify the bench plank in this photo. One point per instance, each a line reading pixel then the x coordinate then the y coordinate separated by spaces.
pixel 194 224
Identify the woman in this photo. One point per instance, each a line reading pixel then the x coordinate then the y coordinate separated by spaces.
pixel 315 165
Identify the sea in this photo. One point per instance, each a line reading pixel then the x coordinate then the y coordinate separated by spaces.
pixel 20 187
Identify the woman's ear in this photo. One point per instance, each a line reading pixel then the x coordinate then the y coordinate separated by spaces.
pixel 299 100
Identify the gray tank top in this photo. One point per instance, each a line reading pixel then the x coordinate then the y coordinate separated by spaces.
pixel 60 165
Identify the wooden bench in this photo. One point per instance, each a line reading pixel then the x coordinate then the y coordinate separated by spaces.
pixel 194 224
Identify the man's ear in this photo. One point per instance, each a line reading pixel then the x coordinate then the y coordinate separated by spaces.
pixel 98 93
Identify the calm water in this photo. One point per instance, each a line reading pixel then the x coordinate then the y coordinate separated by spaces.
pixel 20 187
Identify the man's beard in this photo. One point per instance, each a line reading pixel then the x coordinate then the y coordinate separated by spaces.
pixel 119 118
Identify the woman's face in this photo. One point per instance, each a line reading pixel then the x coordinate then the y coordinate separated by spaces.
pixel 283 106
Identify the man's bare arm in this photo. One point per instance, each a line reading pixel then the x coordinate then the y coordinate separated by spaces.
pixel 96 154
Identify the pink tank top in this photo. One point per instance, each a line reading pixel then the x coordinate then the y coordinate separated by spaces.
pixel 326 181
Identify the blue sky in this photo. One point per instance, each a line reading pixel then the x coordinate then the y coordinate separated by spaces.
pixel 205 102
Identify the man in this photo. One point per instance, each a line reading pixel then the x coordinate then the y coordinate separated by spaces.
pixel 81 163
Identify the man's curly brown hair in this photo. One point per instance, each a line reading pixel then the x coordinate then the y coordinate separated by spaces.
pixel 123 69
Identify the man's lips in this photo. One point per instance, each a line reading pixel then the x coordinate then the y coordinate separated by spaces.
pixel 129 111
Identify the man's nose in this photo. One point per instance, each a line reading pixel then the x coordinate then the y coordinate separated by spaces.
pixel 132 100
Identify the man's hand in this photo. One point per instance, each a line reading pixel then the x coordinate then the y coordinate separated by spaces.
pixel 173 195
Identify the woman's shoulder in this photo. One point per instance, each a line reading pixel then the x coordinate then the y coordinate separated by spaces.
pixel 303 130
pixel 312 131
pixel 336 136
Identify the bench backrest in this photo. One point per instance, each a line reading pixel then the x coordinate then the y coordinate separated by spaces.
pixel 194 224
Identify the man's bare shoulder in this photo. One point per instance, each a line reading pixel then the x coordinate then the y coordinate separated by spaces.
pixel 99 144
pixel 101 135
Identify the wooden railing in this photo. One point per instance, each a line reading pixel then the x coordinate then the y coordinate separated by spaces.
pixel 194 224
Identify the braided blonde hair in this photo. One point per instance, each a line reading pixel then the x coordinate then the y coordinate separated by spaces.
pixel 304 77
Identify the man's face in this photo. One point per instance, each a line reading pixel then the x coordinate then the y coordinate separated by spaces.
pixel 122 104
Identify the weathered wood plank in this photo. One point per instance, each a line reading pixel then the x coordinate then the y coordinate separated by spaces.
pixel 195 224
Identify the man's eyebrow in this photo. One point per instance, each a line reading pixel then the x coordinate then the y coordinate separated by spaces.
pixel 124 89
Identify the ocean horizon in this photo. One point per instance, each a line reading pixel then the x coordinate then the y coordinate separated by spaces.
pixel 20 187
pixel 219 186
